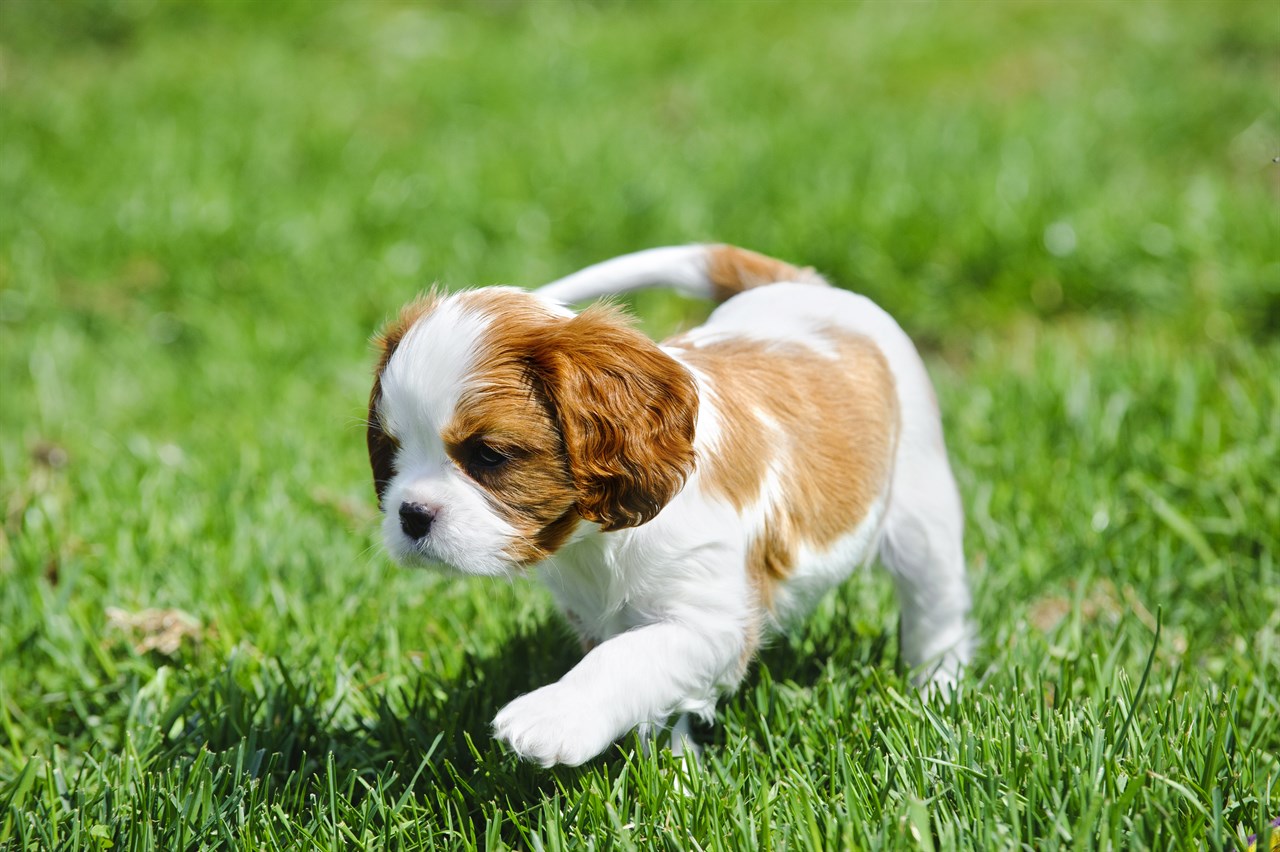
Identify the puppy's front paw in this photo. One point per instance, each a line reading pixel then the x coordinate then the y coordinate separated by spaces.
pixel 554 724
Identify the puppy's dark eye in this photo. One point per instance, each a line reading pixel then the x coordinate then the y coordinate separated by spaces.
pixel 485 457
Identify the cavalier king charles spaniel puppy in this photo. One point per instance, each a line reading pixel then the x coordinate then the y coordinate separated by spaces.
pixel 682 501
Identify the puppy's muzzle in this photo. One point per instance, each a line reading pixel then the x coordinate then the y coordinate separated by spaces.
pixel 415 519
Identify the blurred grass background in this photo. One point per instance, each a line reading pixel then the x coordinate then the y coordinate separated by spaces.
pixel 206 208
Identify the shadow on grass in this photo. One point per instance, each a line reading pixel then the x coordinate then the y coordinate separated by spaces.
pixel 432 740
pixel 802 659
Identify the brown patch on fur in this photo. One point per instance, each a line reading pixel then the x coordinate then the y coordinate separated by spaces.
pixel 827 426
pixel 627 412
pixel 732 270
pixel 382 447
pixel 594 420
pixel 506 408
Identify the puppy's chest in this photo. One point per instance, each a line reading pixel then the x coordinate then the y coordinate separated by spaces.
pixel 600 592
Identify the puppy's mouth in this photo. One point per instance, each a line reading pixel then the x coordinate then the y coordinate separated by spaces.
pixel 420 554
pixel 424 553
pixel 431 553
pixel 502 542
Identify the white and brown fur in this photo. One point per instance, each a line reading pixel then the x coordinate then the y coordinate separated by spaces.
pixel 680 500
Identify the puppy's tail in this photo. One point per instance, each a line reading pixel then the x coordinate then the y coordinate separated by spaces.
pixel 715 272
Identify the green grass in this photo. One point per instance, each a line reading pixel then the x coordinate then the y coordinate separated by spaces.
pixel 207 208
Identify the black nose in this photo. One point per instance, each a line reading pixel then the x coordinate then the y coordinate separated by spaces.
pixel 415 519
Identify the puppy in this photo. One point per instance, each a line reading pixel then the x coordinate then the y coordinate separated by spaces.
pixel 681 501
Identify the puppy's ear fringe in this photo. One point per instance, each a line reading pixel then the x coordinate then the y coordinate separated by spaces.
pixel 627 412
pixel 382 447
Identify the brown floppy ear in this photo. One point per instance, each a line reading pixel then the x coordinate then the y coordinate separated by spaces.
pixel 626 410
pixel 383 447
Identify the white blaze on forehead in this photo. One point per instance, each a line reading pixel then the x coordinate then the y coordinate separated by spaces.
pixel 425 377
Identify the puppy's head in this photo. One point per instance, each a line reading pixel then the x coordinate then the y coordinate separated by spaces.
pixel 497 422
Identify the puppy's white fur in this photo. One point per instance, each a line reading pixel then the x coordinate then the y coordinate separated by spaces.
pixel 470 538
pixel 668 606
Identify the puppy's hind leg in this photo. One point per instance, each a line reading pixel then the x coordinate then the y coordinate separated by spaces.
pixel 682 744
pixel 922 548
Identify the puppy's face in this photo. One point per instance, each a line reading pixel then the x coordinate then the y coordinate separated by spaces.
pixel 497 423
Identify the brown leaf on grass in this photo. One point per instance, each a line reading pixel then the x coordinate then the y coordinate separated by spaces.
pixel 47 460
pixel 1101 602
pixel 161 630
pixel 1048 612
pixel 50 455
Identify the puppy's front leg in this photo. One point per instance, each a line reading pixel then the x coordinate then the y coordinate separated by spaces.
pixel 643 675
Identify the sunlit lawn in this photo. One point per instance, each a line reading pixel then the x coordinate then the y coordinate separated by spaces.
pixel 206 209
